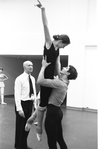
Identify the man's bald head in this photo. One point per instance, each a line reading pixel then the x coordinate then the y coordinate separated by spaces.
pixel 27 63
pixel 28 66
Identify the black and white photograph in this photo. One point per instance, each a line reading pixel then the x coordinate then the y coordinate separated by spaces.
pixel 48 74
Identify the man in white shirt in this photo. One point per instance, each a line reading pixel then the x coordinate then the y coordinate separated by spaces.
pixel 23 104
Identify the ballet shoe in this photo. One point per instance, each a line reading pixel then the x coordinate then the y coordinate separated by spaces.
pixel 39 136
pixel 30 122
pixel 39 133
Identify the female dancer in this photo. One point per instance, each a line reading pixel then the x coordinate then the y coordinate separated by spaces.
pixel 51 51
pixel 3 77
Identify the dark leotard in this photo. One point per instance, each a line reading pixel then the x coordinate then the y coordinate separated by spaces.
pixel 45 92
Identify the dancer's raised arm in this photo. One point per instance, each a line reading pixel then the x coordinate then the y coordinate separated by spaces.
pixel 48 40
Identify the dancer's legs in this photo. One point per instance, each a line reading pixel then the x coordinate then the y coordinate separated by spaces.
pixel 53 127
pixel 40 115
pixel 60 138
pixel 2 96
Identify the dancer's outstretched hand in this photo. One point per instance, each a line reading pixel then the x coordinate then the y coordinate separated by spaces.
pixel 39 4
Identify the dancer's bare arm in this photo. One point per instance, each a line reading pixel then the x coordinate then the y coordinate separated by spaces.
pixel 48 40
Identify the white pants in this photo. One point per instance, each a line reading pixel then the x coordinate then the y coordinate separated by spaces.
pixel 2 94
pixel 1 90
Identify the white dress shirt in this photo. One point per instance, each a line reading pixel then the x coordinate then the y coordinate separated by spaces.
pixel 22 89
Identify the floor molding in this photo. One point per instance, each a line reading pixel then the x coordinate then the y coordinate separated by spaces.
pixel 9 96
pixel 67 107
pixel 82 109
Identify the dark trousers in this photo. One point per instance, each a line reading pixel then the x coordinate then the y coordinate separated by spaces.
pixel 20 133
pixel 53 127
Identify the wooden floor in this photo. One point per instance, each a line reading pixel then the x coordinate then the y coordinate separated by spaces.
pixel 79 127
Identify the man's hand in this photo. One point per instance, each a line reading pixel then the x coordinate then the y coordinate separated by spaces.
pixel 44 62
pixel 56 77
pixel 21 113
